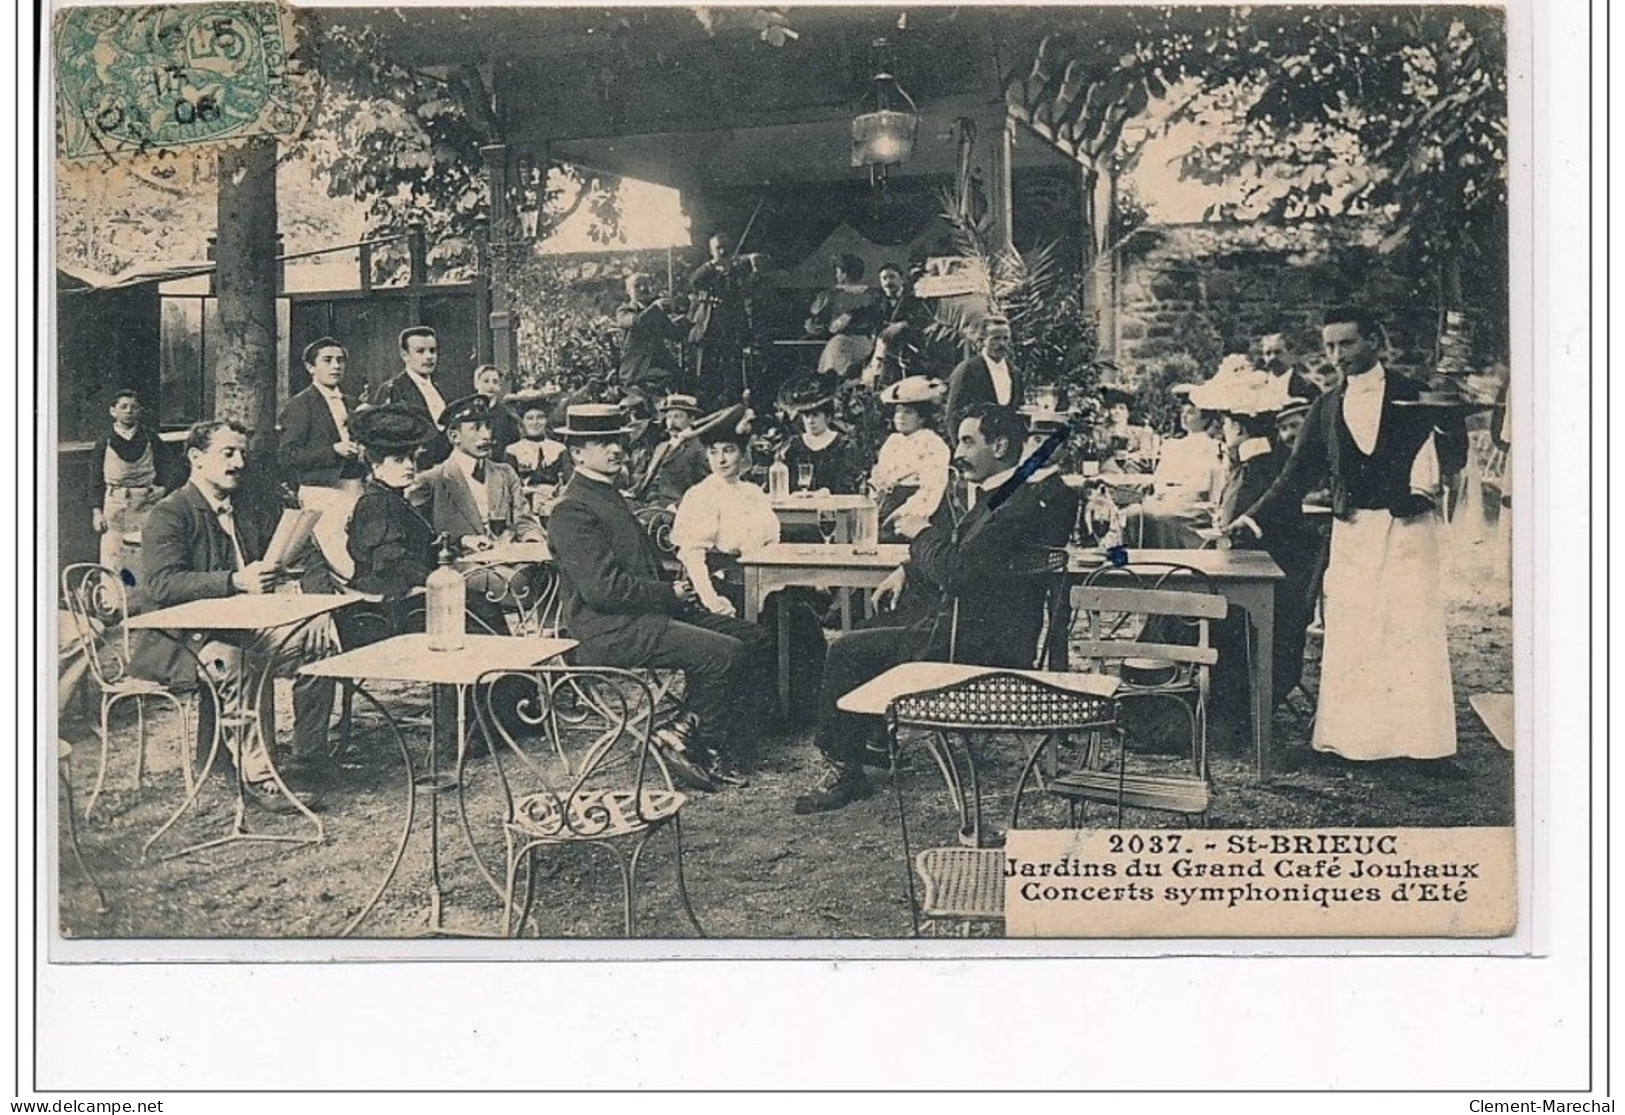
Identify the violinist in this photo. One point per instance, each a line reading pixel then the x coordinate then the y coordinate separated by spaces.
pixel 720 325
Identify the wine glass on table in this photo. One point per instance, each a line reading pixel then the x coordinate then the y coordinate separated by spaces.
pixel 827 522
pixel 804 477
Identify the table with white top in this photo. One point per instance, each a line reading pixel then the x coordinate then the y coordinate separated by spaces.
pixel 273 619
pixel 408 658
pixel 810 565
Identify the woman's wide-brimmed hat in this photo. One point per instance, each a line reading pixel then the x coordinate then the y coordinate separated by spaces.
pixel 391 428
pixel 913 389
pixel 532 398
pixel 1242 393
pixel 731 425
pixel 589 421
pixel 808 393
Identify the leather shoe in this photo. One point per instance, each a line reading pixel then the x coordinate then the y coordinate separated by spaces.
pixel 267 795
pixel 685 766
pixel 839 789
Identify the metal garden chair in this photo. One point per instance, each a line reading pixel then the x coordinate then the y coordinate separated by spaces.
pixel 587 776
pixel 97 607
pixel 1148 626
pixel 964 882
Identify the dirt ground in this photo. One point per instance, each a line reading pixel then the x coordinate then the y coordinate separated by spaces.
pixel 753 868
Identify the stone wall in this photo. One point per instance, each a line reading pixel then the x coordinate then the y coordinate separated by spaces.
pixel 1189 294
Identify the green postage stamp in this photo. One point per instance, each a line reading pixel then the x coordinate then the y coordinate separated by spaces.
pixel 142 79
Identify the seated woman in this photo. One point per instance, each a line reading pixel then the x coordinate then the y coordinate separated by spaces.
pixel 847 314
pixel 911 470
pixel 721 517
pixel 536 456
pixel 1188 476
pixel 827 451
pixel 1120 445
pixel 391 544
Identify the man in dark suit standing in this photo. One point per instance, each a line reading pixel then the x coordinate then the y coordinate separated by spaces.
pixel 998 618
pixel 986 377
pixel 314 452
pixel 619 604
pixel 201 543
pixel 414 387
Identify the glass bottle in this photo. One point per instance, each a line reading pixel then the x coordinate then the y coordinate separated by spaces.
pixel 778 478
pixel 446 597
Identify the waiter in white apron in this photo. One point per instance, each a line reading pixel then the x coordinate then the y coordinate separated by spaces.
pixel 1385 443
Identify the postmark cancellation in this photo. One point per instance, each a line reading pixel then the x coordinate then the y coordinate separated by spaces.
pixel 142 79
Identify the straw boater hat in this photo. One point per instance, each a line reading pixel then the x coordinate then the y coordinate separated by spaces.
pixel 1444 392
pixel 391 428
pixel 470 408
pixel 913 389
pixel 677 401
pixel 1042 420
pixel 601 421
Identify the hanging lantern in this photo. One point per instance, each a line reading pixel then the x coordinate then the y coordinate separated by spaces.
pixel 883 130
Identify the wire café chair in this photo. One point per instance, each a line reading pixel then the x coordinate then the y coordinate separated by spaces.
pixel 98 607
pixel 577 769
pixel 1148 626
pixel 964 882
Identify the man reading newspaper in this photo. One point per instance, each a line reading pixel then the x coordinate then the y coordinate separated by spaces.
pixel 205 540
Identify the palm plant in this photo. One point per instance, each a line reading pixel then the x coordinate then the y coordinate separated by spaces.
pixel 1052 333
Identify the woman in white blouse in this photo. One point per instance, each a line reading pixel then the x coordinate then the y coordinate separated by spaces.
pixel 911 470
pixel 721 517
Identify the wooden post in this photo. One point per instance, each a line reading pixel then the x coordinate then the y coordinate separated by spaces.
pixel 482 292
pixel 1001 189
pixel 417 253
pixel 496 181
pixel 246 283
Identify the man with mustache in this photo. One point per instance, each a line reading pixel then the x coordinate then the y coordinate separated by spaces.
pixel 999 617
pixel 624 610
pixel 476 500
pixel 200 543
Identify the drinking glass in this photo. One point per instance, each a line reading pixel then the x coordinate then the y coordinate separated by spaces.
pixel 827 523
pixel 804 476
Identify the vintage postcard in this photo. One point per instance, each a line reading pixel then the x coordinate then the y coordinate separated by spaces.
pixel 817 476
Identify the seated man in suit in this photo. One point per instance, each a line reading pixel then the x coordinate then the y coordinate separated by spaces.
pixel 999 619
pixel 679 462
pixel 479 502
pixel 314 452
pixel 619 604
pixel 200 542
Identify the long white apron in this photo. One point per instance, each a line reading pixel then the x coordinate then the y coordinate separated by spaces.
pixel 1385 688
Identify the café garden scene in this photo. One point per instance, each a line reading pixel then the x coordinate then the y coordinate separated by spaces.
pixel 678 472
